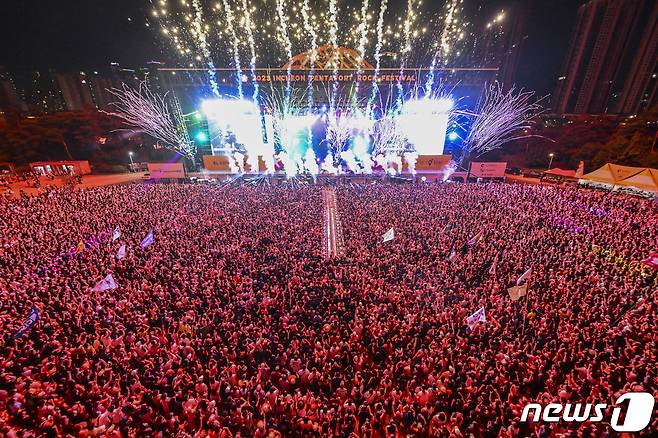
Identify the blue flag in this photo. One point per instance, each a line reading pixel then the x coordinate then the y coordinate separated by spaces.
pixel 32 319
pixel 147 241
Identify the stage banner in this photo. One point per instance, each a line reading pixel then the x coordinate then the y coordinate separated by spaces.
pixel 488 169
pixel 432 163
pixel 261 165
pixel 217 162
pixel 166 170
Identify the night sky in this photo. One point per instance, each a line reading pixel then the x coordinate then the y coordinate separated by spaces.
pixel 74 35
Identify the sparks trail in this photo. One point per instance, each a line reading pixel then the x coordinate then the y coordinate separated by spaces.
pixel 333 234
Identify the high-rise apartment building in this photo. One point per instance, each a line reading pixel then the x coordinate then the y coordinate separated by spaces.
pixel 10 99
pixel 610 60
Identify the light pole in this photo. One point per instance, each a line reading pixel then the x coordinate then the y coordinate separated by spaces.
pixel 550 163
pixel 130 154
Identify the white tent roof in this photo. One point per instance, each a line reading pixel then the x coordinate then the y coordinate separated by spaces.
pixel 612 173
pixel 646 180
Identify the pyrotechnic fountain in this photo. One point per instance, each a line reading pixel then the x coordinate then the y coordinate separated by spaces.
pixel 378 55
pixel 355 134
pixel 252 47
pixel 236 49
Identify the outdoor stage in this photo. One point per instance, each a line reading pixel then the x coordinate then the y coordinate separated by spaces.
pixel 322 110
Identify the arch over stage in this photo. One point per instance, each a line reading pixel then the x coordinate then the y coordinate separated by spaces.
pixel 328 57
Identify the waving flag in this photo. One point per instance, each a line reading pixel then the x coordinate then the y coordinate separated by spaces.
pixel 147 241
pixel 475 239
pixel 116 233
pixel 492 269
pixel 524 277
pixel 516 292
pixel 105 284
pixel 32 319
pixel 478 316
pixel 390 235
pixel 452 255
pixel 122 252
pixel 80 247
pixel 652 260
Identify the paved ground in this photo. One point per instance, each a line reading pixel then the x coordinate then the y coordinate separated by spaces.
pixel 333 234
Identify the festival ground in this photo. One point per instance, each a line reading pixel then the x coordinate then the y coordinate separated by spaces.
pixel 296 310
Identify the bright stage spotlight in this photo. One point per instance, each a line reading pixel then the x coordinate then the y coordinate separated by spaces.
pixel 428 106
pixel 294 133
pixel 201 137
pixel 425 122
pixel 453 136
pixel 235 124
pixel 361 144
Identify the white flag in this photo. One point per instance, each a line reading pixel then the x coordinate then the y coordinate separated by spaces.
pixel 390 235
pixel 122 252
pixel 452 255
pixel 116 233
pixel 478 316
pixel 492 269
pixel 105 284
pixel 525 276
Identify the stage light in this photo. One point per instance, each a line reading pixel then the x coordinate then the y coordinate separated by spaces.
pixel 428 106
pixel 293 131
pixel 425 122
pixel 453 136
pixel 228 107
pixel 235 121
pixel 201 136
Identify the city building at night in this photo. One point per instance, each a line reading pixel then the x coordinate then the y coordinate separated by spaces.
pixel 611 63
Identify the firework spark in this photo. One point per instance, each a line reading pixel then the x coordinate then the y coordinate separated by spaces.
pixel 501 117
pixel 378 51
pixel 340 129
pixel 199 32
pixel 363 31
pixel 387 137
pixel 314 47
pixel 283 20
pixel 406 48
pixel 252 46
pixel 283 109
pixel 333 41
pixel 160 117
pixel 450 33
pixel 235 44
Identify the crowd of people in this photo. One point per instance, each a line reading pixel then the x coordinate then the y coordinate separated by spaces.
pixel 234 323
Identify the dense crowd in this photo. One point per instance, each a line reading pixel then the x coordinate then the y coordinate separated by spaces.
pixel 233 323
